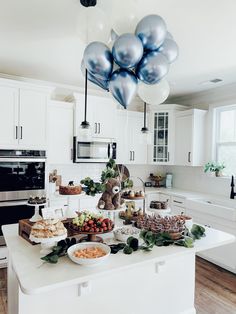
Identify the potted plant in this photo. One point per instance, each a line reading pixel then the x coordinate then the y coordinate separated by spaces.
pixel 214 167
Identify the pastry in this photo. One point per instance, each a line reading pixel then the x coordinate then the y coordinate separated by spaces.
pixel 70 189
pixel 48 229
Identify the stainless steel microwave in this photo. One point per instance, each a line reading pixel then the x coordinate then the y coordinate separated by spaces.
pixel 100 150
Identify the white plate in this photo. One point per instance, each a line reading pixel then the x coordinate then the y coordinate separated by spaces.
pixel 88 261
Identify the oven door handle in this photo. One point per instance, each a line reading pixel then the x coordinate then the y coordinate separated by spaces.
pixel 19 159
pixel 13 203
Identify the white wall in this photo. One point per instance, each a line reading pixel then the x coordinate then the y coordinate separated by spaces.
pixel 76 172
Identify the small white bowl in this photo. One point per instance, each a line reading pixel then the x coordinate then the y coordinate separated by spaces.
pixel 88 261
pixel 122 236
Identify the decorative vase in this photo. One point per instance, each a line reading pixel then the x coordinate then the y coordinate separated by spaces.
pixel 217 173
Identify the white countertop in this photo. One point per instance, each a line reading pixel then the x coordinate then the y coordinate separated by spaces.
pixel 35 277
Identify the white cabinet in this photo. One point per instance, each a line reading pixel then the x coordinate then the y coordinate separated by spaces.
pixel 177 205
pixel 32 119
pixel 8 117
pixel 190 137
pixel 101 115
pixel 130 147
pixel 23 114
pixel 60 132
pixel 224 256
pixel 163 137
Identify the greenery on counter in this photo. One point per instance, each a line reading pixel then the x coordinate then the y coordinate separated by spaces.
pixel 59 250
pixel 111 171
pixel 214 167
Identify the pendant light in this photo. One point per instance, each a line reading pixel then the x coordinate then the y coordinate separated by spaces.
pixel 85 129
pixel 88 3
pixel 145 137
pixel 144 128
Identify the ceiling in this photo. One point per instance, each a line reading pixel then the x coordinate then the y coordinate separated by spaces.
pixel 44 39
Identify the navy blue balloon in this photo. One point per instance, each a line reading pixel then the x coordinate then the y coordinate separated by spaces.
pixel 98 60
pixel 104 84
pixel 152 31
pixel 152 68
pixel 127 50
pixel 123 86
pixel 169 49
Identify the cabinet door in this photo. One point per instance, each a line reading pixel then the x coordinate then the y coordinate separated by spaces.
pixel 137 144
pixel 122 139
pixel 103 116
pixel 176 210
pixel 60 133
pixel 183 140
pixel 32 119
pixel 8 117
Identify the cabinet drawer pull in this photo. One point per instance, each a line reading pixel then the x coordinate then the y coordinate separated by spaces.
pixel 21 132
pixel 130 155
pixel 133 155
pixel 189 156
pixel 16 132
pixel 3 258
pixel 99 128
pixel 178 202
pixel 71 154
pixel 96 127
pixel 168 156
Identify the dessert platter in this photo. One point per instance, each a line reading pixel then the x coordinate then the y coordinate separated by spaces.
pixel 133 195
pixel 172 225
pixel 70 189
pixel 90 224
pixel 48 233
pixel 131 214
pixel 161 208
pixel 37 202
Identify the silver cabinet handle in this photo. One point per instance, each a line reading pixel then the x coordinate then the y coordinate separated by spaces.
pixel 189 156
pixel 96 127
pixel 99 128
pixel 71 153
pixel 168 156
pixel 3 258
pixel 133 155
pixel 21 132
pixel 16 132
pixel 178 202
pixel 130 155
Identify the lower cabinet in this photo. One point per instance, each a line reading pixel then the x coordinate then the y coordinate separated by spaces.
pixel 177 205
pixel 224 256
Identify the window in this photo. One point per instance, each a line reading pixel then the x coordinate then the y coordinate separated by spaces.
pixel 226 138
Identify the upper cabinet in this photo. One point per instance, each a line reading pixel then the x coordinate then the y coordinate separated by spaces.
pixel 131 149
pixel 9 117
pixel 101 115
pixel 60 132
pixel 190 137
pixel 23 117
pixel 162 122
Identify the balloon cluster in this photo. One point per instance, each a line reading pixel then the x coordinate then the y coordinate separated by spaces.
pixel 138 63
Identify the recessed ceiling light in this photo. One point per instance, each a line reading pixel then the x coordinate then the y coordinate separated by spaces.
pixel 212 81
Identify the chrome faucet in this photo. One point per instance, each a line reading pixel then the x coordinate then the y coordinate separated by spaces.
pixel 232 193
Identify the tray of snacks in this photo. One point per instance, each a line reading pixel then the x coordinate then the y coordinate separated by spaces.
pixel 133 195
pixel 89 254
pixel 130 214
pixel 37 200
pixel 90 224
pixel 172 225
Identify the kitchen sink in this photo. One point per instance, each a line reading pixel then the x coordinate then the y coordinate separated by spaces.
pixel 225 209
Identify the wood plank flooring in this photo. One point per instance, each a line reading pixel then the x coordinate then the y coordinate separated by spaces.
pixel 215 289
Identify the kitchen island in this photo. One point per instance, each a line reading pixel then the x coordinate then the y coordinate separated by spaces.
pixel 161 281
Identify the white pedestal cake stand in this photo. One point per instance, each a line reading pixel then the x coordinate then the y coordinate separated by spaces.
pixel 47 243
pixel 36 217
pixel 70 212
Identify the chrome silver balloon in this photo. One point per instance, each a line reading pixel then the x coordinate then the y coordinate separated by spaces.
pixel 127 50
pixel 152 68
pixel 99 82
pixel 123 86
pixel 170 50
pixel 98 60
pixel 152 31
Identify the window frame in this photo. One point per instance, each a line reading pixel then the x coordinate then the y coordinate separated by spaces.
pixel 217 128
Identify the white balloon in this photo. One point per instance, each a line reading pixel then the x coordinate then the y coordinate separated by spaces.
pixel 127 21
pixel 154 94
pixel 93 25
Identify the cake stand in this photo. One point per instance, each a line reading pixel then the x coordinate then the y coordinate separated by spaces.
pixel 36 217
pixel 47 243
pixel 90 236
pixel 70 212
pixel 161 212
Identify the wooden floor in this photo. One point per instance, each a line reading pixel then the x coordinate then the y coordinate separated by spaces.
pixel 215 289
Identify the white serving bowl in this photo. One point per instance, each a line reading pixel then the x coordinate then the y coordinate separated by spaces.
pixel 88 261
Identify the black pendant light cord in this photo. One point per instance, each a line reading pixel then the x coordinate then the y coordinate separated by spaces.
pixel 86 95
pixel 145 112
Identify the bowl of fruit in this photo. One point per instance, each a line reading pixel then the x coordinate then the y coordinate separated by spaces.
pixel 91 224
